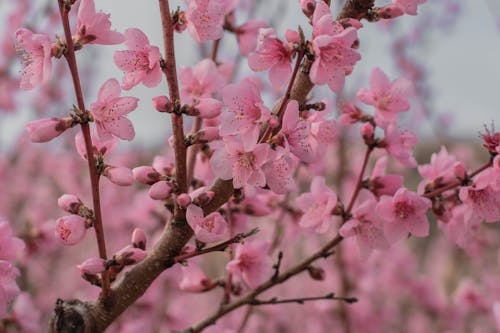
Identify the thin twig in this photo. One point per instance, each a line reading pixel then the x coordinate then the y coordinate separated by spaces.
pixel 302 300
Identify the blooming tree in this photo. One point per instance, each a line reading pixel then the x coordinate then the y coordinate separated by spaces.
pixel 263 194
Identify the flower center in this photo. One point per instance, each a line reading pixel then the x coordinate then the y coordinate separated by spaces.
pixel 403 210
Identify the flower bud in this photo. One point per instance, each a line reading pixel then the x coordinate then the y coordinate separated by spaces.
pixel 459 170
pixel 70 229
pixel 183 200
pixel 389 12
pixel 162 104
pixel 273 122
pixel 316 273
pixel 44 130
pixel 146 175
pixel 209 108
pixel 70 203
pixel 367 130
pixel 139 239
pixel 129 255
pixel 204 198
pixel 92 266
pixel 119 175
pixel 208 134
pixel 160 190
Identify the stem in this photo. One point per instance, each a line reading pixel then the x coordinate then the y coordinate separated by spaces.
pixel 219 247
pixel 170 72
pixel 325 251
pixel 94 176
pixel 302 300
pixel 457 183
pixel 357 189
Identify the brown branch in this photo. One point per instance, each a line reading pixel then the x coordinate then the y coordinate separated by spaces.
pixel 359 182
pixel 302 300
pixel 94 176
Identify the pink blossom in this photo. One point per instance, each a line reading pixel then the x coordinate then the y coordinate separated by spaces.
pixel 183 200
pixel 194 279
pixel 323 21
pixel 10 246
pixel 93 27
pixel 389 98
pixel 207 229
pixel 366 227
pixel 200 80
pixel 440 170
pixel 121 176
pixel 141 61
pixel 92 266
pixel 317 205
pixel 70 203
pixel 279 171
pixel 482 200
pixel 36 50
pixel 162 104
pixel 100 146
pixel 205 18
pixel 491 176
pixel 273 54
pixel 242 164
pixel 296 132
pixel 404 213
pixel 110 109
pixel 334 58
pixel 251 263
pixel 246 111
pixel 129 255
pixel 247 35
pixel 8 286
pixel 382 184
pixel 70 229
pixel 146 175
pixel 462 227
pixel 408 6
pixel 400 145
pixel 160 190
pixel 44 130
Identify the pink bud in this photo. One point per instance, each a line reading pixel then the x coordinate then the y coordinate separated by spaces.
pixel 119 175
pixel 160 190
pixel 130 255
pixel 208 134
pixel 92 266
pixel 44 130
pixel 146 175
pixel 70 229
pixel 389 12
pixel 139 239
pixel 209 108
pixel 204 198
pixel 273 122
pixel 183 200
pixel 459 170
pixel 316 273
pixel 308 7
pixel 70 203
pixel 367 130
pixel 162 104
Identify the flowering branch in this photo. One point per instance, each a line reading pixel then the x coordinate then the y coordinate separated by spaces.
pixel 94 176
pixel 302 300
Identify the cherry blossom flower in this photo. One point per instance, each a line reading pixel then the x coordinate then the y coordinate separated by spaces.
pixel 207 229
pixel 382 184
pixel 334 58
pixel 200 80
pixel 242 164
pixel 36 51
pixel 317 205
pixel 366 227
pixel 70 229
pixel 408 6
pixel 273 54
pixel 323 21
pixel 440 170
pixel 389 98
pixel 205 18
pixel 247 35
pixel 101 146
pixel 110 109
pixel 251 263
pixel 10 246
pixel 141 61
pixel 279 171
pixel 482 200
pixel 404 213
pixel 93 27
pixel 400 145
pixel 8 286
pixel 296 132
pixel 462 228
pixel 246 111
